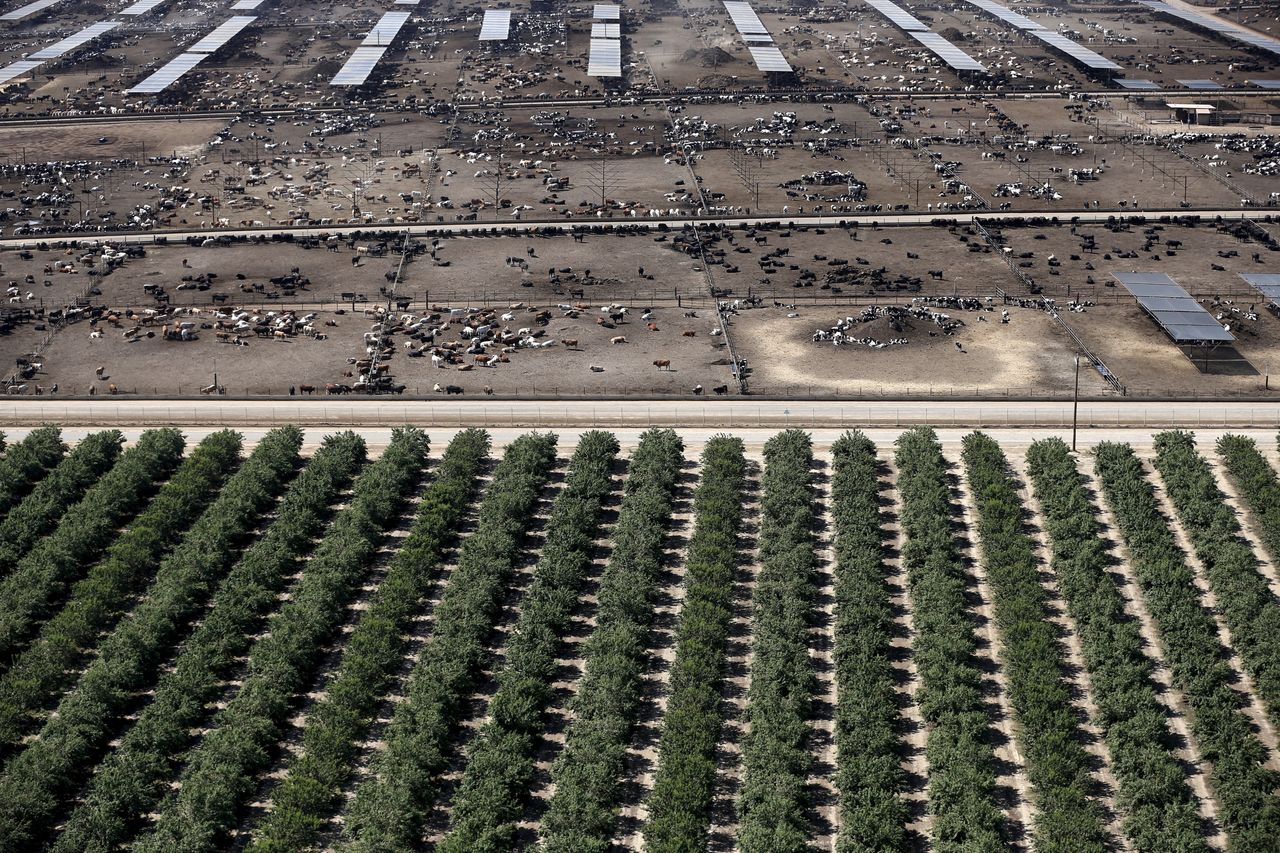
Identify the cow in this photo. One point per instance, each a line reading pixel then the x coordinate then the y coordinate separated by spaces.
pixel 307 389
pixel 619 339
pixel 720 390
pixel 112 389
pixel 689 334
pixel 453 389
pixel 697 390
pixel 653 327
pixel 571 343
pixel 662 363
pixel 595 368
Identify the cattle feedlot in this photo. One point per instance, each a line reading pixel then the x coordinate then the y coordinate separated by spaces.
pixel 670 426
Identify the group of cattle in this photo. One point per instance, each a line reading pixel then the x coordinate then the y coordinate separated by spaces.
pixel 466 338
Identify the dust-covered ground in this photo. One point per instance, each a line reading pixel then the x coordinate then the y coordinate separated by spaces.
pixel 819 275
pixel 1027 356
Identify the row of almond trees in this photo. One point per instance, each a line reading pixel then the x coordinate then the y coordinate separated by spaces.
pixel 773 802
pixel 40 781
pixel 681 800
pixel 34 675
pixel 1245 600
pixel 337 725
pixel 39 511
pixel 588 774
pixel 39 580
pixel 1154 798
pixel 962 777
pixel 869 774
pixel 220 771
pixel 1244 786
pixel 390 807
pixel 27 463
pixel 494 789
pixel 1068 818
pixel 1258 485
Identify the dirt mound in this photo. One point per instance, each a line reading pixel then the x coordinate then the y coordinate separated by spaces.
pixel 714 81
pixel 707 57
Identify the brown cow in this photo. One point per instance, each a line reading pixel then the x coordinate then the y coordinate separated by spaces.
pixel 653 327
pixel 112 389
pixel 689 334
pixel 571 343
pixel 662 363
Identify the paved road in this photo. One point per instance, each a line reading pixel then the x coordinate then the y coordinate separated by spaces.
pixel 811 220
pixel 736 414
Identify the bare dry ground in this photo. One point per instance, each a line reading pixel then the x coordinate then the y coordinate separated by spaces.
pixel 1027 356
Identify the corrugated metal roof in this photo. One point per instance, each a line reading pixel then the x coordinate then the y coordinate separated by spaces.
pixel 899 16
pixel 1081 54
pixel 496 25
pixel 168 74
pixel 605 59
pixel 744 17
pixel 27 10
pixel 222 34
pixel 948 52
pixel 769 58
pixel 75 41
pixel 359 66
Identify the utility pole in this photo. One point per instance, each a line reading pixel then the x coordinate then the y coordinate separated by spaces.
pixel 1075 405
pixel 604 179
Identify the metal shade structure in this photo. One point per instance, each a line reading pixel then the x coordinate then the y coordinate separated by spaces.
pixel 1177 312
pixel 769 58
pixel 605 59
pixel 1215 25
pixel 606 12
pixel 27 10
pixel 745 18
pixel 358 66
pixel 1266 283
pixel 1265 84
pixel 74 41
pixel 948 52
pixel 385 31
pixel 496 25
pixel 245 5
pixel 222 34
pixel 1201 85
pixel 19 68
pixel 141 7
pixel 1136 84
pixel 900 17
pixel 1006 14
pixel 168 74
pixel 1087 58
pixel 602 30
